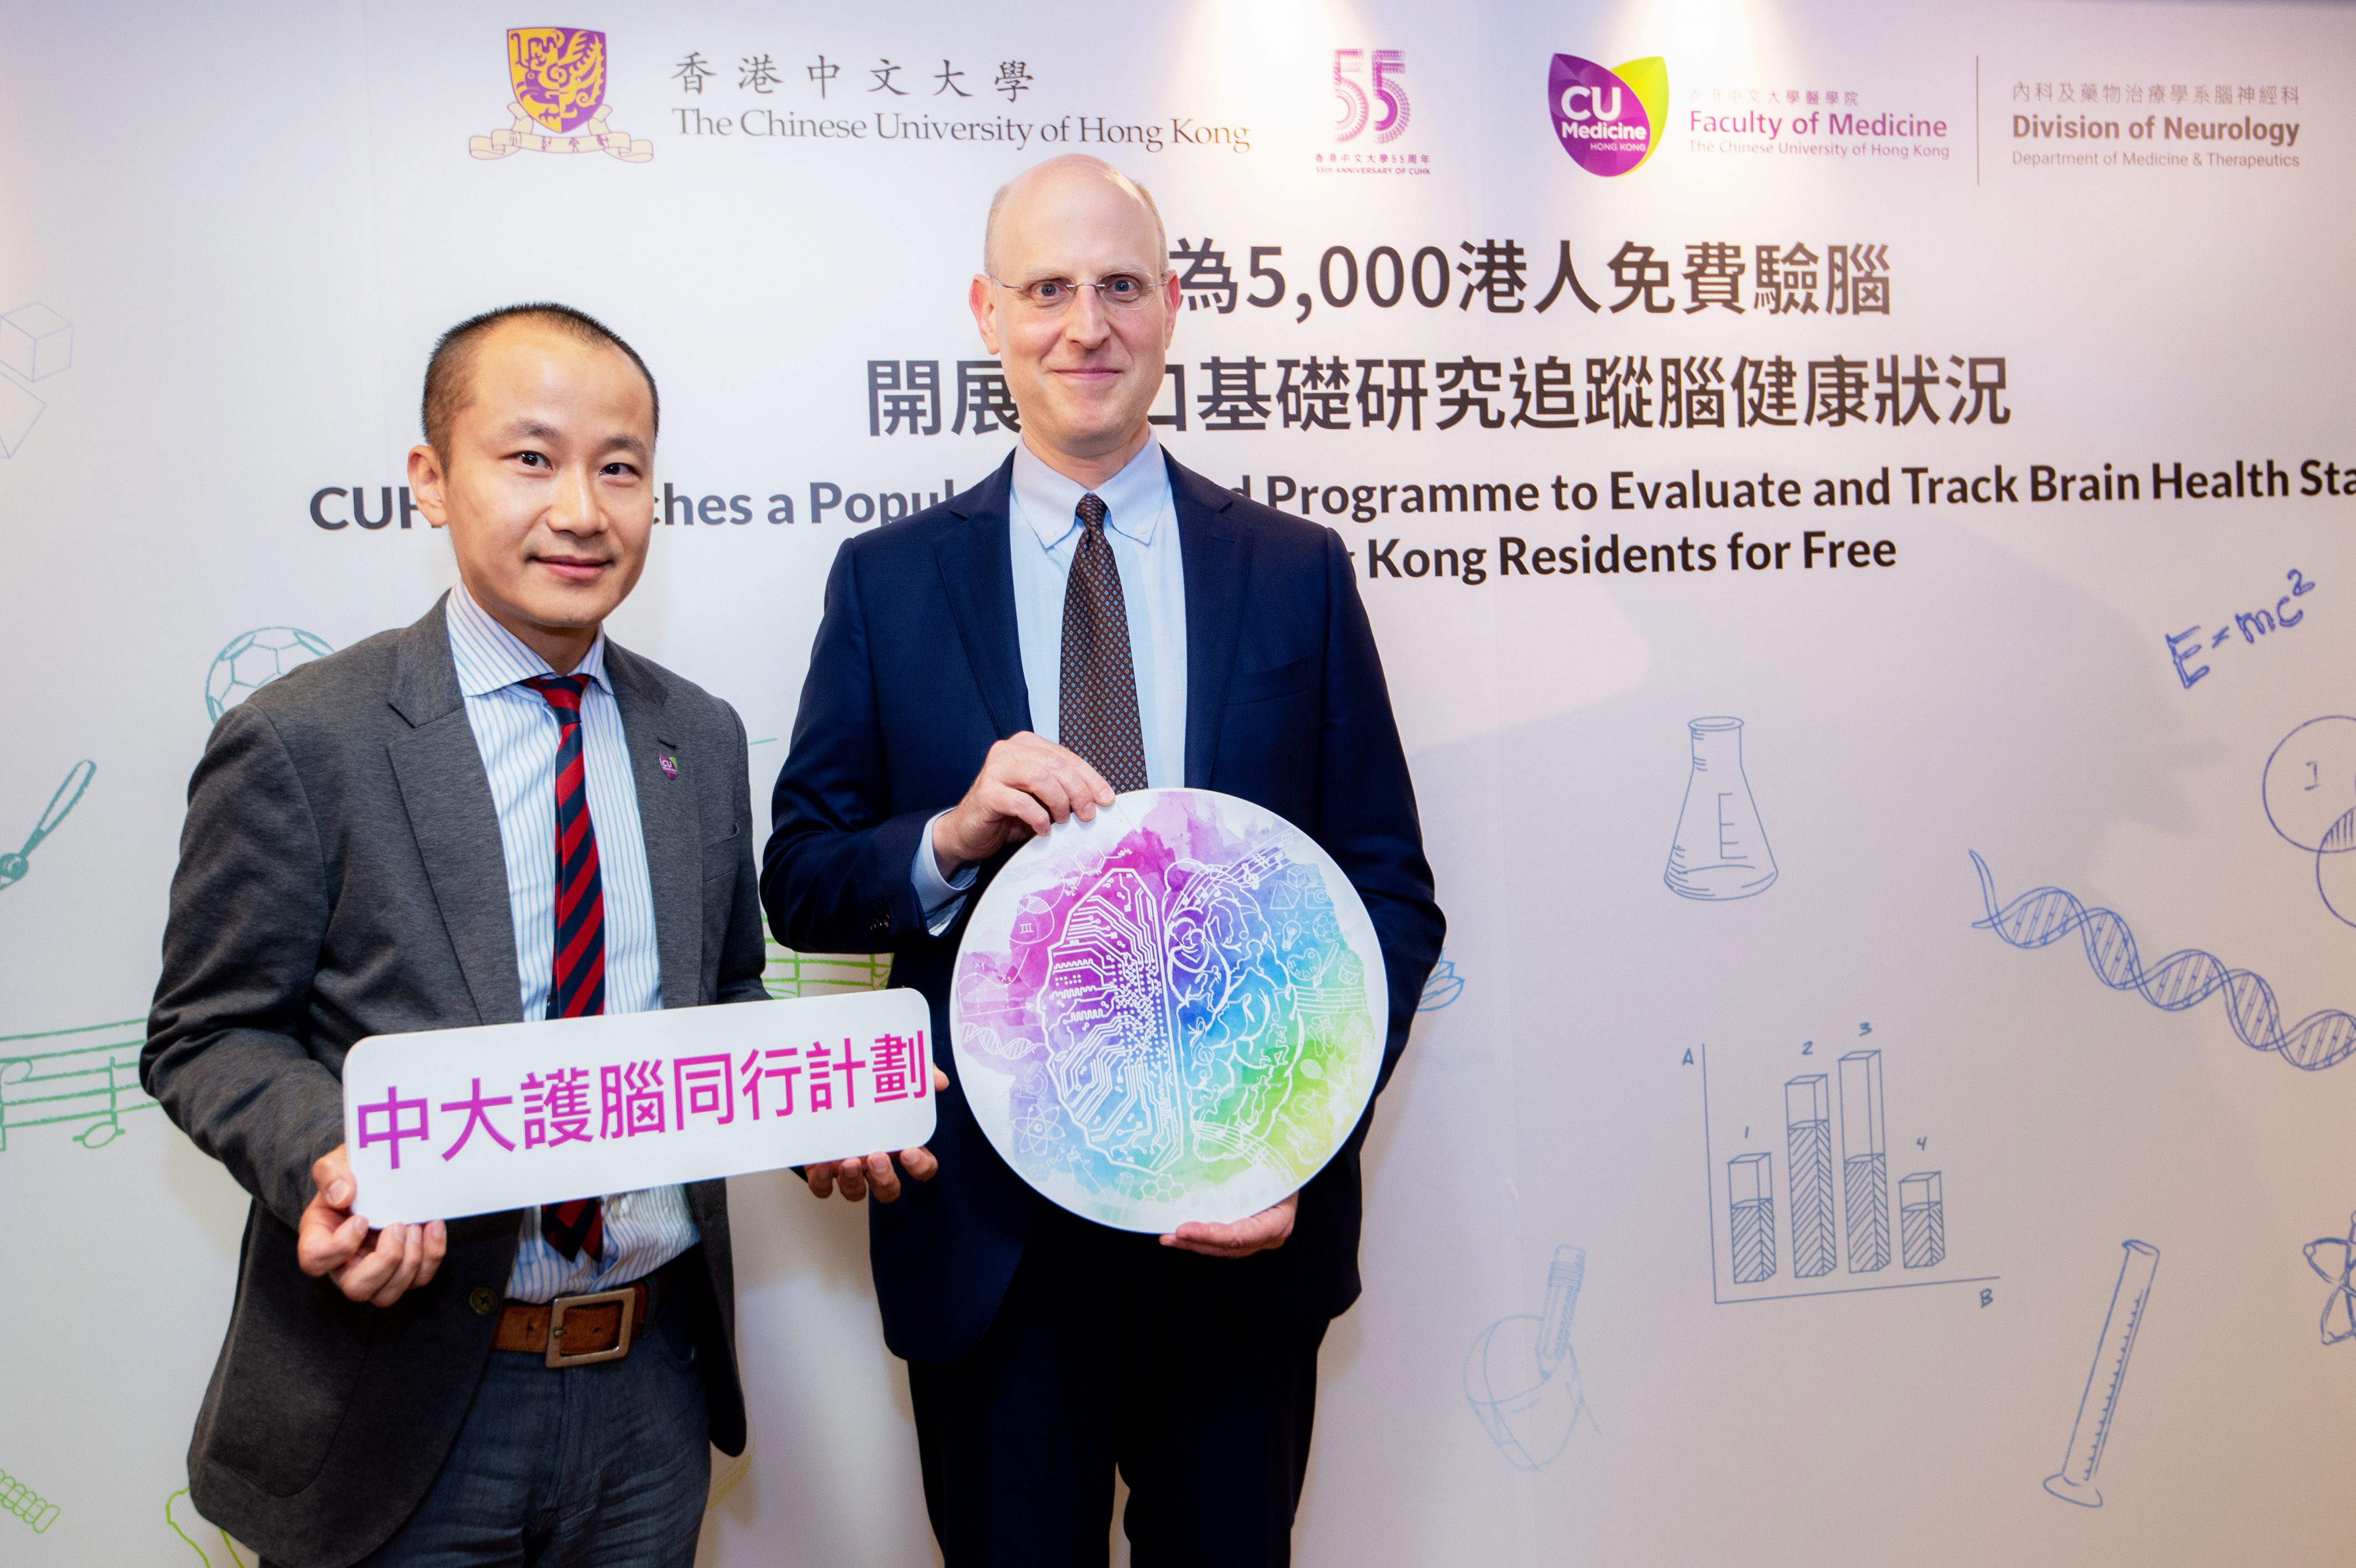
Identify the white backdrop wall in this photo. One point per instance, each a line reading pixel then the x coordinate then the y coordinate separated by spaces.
pixel 235 231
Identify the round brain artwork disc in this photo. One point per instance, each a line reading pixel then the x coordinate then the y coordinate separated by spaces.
pixel 1174 1012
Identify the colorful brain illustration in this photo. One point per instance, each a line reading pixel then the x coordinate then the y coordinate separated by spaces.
pixel 1175 1012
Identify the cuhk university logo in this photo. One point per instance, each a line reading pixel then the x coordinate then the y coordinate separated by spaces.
pixel 1609 120
pixel 559 78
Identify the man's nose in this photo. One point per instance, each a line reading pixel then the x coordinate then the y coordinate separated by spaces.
pixel 573 508
pixel 1087 321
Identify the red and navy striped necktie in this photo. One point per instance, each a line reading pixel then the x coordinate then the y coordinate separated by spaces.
pixel 576 982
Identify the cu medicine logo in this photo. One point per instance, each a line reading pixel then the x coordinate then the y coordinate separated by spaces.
pixel 1607 119
pixel 558 74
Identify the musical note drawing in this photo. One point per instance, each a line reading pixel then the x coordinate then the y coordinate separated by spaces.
pixel 14 867
pixel 95 1085
pixel 2181 980
pixel 2334 1262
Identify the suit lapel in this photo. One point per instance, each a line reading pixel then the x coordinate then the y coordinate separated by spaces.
pixel 447 797
pixel 671 824
pixel 977 572
pixel 1218 569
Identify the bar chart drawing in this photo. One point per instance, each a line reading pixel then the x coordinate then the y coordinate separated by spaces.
pixel 1750 1202
pixel 1808 1144
pixel 1821 1215
pixel 1922 1221
pixel 1865 1162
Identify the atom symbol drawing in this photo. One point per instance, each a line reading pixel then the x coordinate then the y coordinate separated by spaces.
pixel 2334 1262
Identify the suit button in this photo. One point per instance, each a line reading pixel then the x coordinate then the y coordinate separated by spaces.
pixel 484 1300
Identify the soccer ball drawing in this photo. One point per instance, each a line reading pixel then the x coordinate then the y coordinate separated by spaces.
pixel 252 660
pixel 1174 1012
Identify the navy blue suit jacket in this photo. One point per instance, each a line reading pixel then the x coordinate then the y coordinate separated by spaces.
pixel 916 672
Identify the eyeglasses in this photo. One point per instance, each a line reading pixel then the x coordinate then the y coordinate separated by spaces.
pixel 1051 296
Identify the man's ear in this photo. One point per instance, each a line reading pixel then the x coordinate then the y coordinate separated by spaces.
pixel 982 299
pixel 1170 295
pixel 425 482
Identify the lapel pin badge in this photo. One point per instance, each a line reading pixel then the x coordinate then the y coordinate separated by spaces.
pixel 669 765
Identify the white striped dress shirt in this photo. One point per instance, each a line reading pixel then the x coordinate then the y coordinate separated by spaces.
pixel 517 733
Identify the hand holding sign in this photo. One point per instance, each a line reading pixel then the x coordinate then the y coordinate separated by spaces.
pixel 375 1266
pixel 471 1121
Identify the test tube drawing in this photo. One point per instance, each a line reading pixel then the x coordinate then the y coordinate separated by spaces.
pixel 2099 1405
pixel 1808 1141
pixel 1922 1221
pixel 1865 1162
pixel 1721 850
pixel 1750 1199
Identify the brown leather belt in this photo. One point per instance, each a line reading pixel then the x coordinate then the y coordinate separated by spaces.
pixel 578 1330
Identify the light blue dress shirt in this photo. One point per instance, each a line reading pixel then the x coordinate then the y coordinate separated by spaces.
pixel 1043 536
pixel 517 733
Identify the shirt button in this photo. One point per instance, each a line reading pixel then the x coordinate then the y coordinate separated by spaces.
pixel 484 1300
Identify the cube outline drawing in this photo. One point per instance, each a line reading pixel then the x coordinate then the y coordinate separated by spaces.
pixel 36 342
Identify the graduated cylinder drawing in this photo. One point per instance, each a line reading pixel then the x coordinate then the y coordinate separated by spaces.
pixel 2099 1405
pixel 1721 850
pixel 1521 1377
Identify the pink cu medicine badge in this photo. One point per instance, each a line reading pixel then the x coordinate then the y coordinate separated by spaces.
pixel 444 1123
pixel 1174 1012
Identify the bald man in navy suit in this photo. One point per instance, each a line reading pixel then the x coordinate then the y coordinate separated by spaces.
pixel 1092 617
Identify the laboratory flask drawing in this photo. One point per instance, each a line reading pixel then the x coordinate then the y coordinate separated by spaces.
pixel 2310 788
pixel 1174 1012
pixel 2098 1407
pixel 2334 1262
pixel 1521 1377
pixel 1720 852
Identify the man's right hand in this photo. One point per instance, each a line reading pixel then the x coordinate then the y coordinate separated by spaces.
pixel 1026 785
pixel 335 1241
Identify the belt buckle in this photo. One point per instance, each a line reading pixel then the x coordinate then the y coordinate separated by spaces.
pixel 627 1297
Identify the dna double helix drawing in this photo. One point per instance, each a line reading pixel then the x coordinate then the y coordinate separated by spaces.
pixel 2182 980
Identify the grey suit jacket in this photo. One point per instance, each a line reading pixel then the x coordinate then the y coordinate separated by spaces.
pixel 341 876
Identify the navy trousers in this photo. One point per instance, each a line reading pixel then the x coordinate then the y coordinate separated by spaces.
pixel 1111 1349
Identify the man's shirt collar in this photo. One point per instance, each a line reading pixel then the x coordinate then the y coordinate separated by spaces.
pixel 1134 498
pixel 489 656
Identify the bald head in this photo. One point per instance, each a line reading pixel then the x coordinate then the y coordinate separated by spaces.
pixel 1072 190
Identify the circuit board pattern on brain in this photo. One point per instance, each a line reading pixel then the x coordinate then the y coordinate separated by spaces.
pixel 1172 1013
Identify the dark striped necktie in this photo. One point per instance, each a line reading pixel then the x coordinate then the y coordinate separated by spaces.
pixel 1098 718
pixel 576 981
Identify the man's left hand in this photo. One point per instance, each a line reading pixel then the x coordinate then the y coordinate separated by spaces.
pixel 855 1177
pixel 1266 1230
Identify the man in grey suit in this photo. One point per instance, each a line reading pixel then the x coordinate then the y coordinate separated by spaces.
pixel 493 816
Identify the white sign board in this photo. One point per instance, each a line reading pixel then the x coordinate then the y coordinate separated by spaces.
pixel 469 1121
